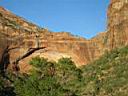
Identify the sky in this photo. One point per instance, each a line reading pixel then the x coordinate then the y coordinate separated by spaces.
pixel 84 18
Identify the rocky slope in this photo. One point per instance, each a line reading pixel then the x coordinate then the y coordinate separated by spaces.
pixel 23 35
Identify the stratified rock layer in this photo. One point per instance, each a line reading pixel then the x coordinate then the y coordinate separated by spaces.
pixel 118 23
pixel 22 35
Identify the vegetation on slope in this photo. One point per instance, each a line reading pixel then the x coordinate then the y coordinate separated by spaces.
pixel 107 76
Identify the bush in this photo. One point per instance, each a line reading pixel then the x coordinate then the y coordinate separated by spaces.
pixel 107 76
pixel 38 62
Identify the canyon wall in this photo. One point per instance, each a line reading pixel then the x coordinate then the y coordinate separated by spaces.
pixel 22 34
pixel 117 23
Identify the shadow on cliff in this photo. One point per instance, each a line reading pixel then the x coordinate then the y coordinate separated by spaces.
pixel 5 61
pixel 7 89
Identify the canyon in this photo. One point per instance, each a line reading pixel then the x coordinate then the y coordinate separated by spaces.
pixel 19 35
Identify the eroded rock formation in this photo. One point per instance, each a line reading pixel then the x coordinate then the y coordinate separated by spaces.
pixel 22 34
pixel 117 23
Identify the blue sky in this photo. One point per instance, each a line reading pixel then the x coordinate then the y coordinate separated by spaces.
pixel 80 17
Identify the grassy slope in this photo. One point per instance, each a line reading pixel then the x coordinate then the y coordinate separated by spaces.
pixel 108 76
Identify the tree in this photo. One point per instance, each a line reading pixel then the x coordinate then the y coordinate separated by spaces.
pixel 9 42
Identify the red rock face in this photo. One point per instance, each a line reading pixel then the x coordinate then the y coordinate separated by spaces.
pixel 22 34
pixel 2 45
pixel 118 23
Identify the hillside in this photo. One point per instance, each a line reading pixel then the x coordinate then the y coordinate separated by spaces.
pixel 23 35
pixel 35 61
pixel 107 76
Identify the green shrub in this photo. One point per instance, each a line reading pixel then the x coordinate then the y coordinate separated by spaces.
pixel 107 76
pixel 38 62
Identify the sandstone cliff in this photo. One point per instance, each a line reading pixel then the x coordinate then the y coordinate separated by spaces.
pixel 22 34
pixel 117 23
